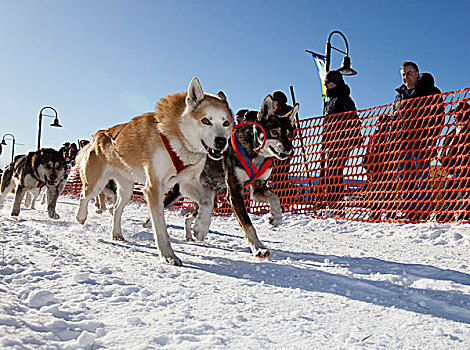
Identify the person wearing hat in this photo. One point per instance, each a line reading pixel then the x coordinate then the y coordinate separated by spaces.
pixel 341 133
pixel 280 103
pixel 338 93
pixel 64 150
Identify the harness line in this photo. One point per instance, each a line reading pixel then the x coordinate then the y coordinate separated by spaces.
pixel 250 169
pixel 177 162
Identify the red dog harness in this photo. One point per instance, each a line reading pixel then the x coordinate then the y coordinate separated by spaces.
pixel 252 172
pixel 174 157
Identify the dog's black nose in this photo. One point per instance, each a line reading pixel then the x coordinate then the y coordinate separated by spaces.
pixel 52 177
pixel 220 142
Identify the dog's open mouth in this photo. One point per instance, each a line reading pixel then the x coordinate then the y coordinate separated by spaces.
pixel 280 155
pixel 214 154
pixel 50 183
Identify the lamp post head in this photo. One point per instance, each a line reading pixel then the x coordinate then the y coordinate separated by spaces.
pixel 3 142
pixel 56 124
pixel 346 67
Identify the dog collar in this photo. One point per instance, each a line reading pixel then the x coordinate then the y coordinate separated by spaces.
pixel 250 169
pixel 41 184
pixel 177 162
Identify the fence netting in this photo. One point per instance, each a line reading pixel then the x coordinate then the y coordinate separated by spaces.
pixel 401 162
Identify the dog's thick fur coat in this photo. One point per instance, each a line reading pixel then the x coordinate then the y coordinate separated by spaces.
pixel 194 123
pixel 30 173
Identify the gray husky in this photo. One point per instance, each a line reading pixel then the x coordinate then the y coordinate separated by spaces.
pixel 276 142
pixel 29 173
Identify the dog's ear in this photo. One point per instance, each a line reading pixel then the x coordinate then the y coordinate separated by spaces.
pixel 221 95
pixel 292 113
pixel 195 93
pixel 266 108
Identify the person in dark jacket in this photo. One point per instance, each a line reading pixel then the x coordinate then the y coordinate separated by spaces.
pixel 338 93
pixel 416 129
pixel 341 134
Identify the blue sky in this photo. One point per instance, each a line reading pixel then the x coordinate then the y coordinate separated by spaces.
pixel 101 62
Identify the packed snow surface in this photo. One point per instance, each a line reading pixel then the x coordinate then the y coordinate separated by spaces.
pixel 328 284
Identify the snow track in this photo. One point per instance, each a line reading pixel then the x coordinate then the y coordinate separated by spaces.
pixel 328 284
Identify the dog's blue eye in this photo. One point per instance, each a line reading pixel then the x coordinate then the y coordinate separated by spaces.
pixel 206 121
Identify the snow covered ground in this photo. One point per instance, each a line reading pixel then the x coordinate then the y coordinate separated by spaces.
pixel 328 284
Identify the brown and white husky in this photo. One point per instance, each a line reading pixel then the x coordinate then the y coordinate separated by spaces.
pixel 157 149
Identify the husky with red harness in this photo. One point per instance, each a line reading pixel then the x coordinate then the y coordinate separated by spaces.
pixel 157 149
pixel 246 164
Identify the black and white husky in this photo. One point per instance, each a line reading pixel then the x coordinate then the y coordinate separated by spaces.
pixel 247 163
pixel 29 173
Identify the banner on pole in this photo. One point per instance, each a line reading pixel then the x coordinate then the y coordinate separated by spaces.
pixel 320 62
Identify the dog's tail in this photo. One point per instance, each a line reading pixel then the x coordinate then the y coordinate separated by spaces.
pixel 7 176
pixel 101 143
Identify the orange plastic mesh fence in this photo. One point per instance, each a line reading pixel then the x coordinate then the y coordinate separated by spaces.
pixel 405 162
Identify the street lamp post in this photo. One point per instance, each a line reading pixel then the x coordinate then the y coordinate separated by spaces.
pixel 346 65
pixel 13 145
pixel 345 68
pixel 54 124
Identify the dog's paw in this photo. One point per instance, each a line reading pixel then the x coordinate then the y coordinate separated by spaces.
pixel 188 239
pixel 200 229
pixel 200 235
pixel 15 213
pixel 81 221
pixel 118 237
pixel 274 220
pixel 262 253
pixel 173 260
pixel 54 216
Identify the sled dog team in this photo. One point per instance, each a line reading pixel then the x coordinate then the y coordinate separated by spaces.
pixel 189 146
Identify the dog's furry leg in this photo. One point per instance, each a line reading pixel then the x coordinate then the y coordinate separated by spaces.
pixel 203 216
pixel 235 192
pixel 100 203
pixel 19 194
pixel 43 200
pixel 172 196
pixel 28 200
pixel 93 181
pixel 124 195
pixel 203 203
pixel 52 195
pixel 154 197
pixel 33 199
pixel 261 193
pixel 31 196
pixel 188 220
